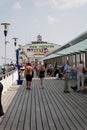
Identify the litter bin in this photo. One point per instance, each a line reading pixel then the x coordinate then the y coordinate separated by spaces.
pixel 19 81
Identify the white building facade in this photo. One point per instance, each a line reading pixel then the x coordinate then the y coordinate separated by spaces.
pixel 36 50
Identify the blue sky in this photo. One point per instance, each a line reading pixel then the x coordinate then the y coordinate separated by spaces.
pixel 57 21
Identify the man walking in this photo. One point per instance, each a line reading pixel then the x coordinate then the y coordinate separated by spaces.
pixel 28 75
pixel 66 76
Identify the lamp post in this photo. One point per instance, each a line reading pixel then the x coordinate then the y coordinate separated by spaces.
pixel 15 43
pixel 5 28
pixel 19 81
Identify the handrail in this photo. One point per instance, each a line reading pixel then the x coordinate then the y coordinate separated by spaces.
pixel 7 73
pixel 8 79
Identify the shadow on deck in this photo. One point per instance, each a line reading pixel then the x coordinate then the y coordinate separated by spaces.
pixel 47 109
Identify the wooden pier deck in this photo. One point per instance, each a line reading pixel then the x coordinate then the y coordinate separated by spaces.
pixel 47 109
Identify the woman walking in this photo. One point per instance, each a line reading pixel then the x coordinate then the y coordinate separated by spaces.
pixel 42 75
pixel 80 76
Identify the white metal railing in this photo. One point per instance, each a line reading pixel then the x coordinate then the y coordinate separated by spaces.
pixel 8 79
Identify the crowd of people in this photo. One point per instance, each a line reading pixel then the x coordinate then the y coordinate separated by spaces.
pixel 43 71
pixel 63 72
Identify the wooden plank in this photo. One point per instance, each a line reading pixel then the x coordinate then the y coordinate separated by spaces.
pixel 27 121
pixel 23 112
pixel 59 109
pixel 8 95
pixel 43 114
pixel 47 109
pixel 69 110
pixel 14 112
pixel 9 111
pixel 15 116
pixel 33 115
pixel 39 124
pixel 54 109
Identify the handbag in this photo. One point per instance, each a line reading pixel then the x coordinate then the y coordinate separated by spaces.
pixel 84 70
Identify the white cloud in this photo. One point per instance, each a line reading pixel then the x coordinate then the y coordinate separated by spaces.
pixel 40 3
pixel 12 21
pixel 64 4
pixel 52 20
pixel 60 4
pixel 17 7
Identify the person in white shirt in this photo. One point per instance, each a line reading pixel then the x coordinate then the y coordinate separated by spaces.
pixel 80 75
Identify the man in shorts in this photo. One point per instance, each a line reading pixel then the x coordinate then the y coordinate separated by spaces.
pixel 28 75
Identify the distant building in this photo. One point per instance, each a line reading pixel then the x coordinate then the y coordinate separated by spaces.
pixel 37 50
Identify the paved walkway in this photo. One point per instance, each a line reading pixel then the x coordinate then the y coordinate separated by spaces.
pixel 47 109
